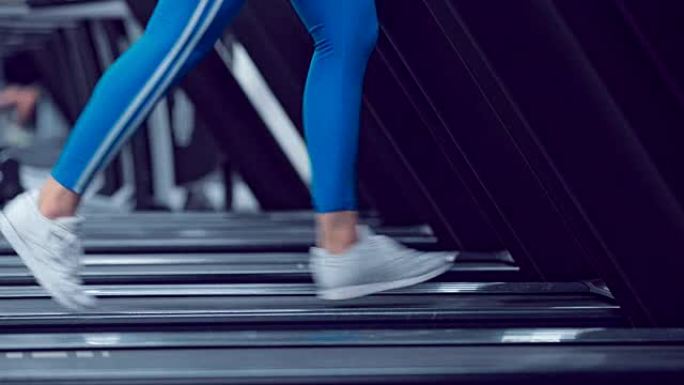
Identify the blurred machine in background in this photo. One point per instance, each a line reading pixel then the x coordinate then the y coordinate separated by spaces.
pixel 542 138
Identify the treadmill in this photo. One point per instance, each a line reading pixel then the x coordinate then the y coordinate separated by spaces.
pixel 379 356
pixel 168 248
pixel 226 306
pixel 202 232
pixel 222 317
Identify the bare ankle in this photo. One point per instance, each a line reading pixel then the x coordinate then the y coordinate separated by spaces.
pixel 56 201
pixel 337 231
pixel 53 211
pixel 339 243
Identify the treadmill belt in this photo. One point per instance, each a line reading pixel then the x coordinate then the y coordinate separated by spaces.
pixel 249 338
pixel 191 240
pixel 232 268
pixel 503 364
pixel 278 304
pixel 124 228
pixel 420 355
pixel 201 232
pixel 157 216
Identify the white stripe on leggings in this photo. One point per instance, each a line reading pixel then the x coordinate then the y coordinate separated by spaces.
pixel 128 121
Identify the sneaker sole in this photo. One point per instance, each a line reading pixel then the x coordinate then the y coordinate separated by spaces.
pixel 14 239
pixel 350 292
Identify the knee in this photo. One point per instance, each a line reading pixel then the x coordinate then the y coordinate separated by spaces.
pixel 367 36
pixel 370 36
pixel 350 42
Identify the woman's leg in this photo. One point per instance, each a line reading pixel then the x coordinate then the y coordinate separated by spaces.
pixel 344 34
pixel 42 229
pixel 177 36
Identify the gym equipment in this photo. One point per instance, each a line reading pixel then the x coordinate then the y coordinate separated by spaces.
pixel 275 305
pixel 518 137
pixel 425 356
pixel 276 267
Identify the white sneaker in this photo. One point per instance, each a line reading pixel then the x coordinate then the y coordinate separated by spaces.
pixel 375 263
pixel 49 248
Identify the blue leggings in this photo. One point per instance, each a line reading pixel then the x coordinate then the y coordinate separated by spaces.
pixel 179 34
